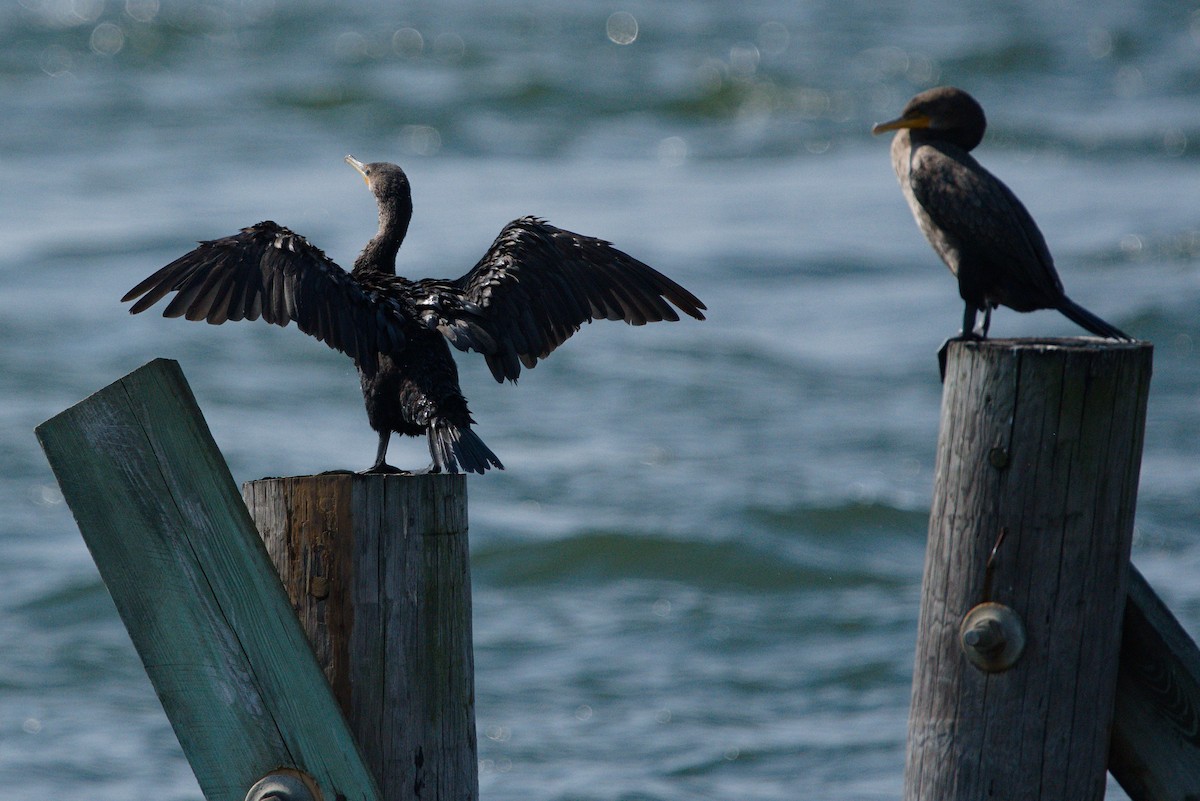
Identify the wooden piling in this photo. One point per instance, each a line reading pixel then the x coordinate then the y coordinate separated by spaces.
pixel 1040 441
pixel 377 570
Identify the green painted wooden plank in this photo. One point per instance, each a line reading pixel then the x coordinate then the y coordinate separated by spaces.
pixel 179 553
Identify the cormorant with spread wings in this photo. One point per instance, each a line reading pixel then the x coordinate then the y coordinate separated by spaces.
pixel 533 289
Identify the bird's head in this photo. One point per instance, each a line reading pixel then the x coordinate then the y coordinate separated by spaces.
pixel 386 181
pixel 943 113
pixel 389 185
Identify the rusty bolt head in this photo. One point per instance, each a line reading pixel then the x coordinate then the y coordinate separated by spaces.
pixel 285 784
pixel 992 637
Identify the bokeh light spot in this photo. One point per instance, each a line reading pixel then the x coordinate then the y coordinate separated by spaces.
pixel 351 46
pixel 499 733
pixel 921 69
pixel 672 151
pixel 1100 43
pixel 1129 82
pixel 622 28
pixel 107 39
pixel 56 60
pixel 87 10
pixel 45 495
pixel 142 10
pixel 743 59
pixel 812 103
pixel 449 48
pixel 408 42
pixel 422 140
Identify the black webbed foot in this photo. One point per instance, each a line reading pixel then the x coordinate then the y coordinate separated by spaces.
pixel 340 472
pixel 941 354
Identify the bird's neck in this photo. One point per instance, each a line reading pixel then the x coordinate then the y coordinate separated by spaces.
pixel 964 138
pixel 379 255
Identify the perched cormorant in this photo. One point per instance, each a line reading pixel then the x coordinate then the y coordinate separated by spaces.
pixel 534 288
pixel 974 222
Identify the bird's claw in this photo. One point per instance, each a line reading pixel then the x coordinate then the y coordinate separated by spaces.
pixel 973 336
pixel 385 469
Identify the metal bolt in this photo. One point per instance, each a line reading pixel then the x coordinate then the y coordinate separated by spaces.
pixel 986 637
pixel 285 784
pixel 319 588
pixel 998 458
pixel 992 637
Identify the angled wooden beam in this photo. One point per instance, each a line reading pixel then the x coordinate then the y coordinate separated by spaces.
pixel 176 547
pixel 1155 750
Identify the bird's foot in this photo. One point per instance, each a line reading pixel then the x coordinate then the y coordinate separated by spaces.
pixel 383 468
pixel 336 473
pixel 973 336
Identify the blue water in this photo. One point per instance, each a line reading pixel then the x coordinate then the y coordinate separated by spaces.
pixel 699 576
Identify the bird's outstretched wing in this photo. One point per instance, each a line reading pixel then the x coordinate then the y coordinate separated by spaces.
pixel 979 212
pixel 535 287
pixel 271 272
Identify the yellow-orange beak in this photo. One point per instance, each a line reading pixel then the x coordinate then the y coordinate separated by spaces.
pixel 362 169
pixel 915 121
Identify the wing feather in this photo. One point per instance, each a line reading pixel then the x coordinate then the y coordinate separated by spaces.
pixel 536 286
pixel 267 271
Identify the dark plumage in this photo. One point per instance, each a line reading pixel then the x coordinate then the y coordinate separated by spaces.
pixel 975 223
pixel 533 289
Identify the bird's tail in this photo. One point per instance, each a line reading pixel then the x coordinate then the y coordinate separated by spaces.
pixel 454 449
pixel 1077 314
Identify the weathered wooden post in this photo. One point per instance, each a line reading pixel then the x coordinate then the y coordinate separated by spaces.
pixel 377 569
pixel 1037 463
